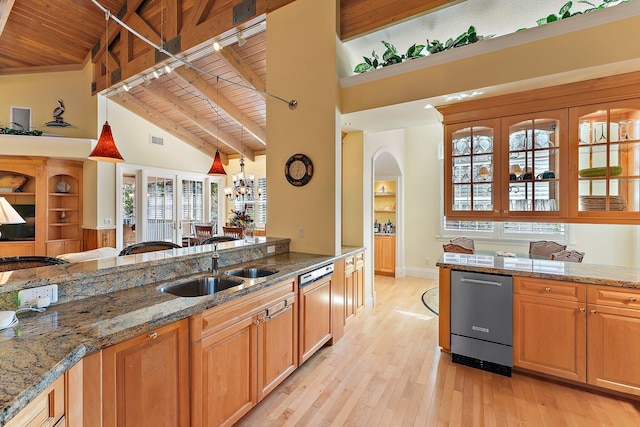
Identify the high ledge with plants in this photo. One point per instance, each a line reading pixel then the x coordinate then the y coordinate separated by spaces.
pixel 391 55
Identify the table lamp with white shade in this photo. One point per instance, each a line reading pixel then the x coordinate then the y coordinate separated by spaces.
pixel 8 215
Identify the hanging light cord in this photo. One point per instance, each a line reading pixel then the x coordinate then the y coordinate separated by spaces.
pixel 292 103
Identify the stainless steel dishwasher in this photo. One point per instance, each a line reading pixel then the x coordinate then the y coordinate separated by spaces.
pixel 482 321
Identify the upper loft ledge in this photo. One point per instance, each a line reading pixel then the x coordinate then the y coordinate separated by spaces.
pixel 46 146
pixel 558 48
pixel 615 14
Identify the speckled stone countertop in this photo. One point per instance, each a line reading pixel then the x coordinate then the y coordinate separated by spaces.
pixel 44 345
pixel 544 269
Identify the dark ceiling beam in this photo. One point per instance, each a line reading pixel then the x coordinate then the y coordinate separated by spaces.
pixel 191 77
pixel 154 117
pixel 169 99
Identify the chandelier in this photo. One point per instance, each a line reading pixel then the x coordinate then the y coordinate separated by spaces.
pixel 243 186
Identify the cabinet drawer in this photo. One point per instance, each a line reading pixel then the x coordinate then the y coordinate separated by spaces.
pixel 218 318
pixel 349 265
pixel 550 288
pixel 614 297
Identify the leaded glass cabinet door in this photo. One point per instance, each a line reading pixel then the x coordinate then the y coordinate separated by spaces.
pixel 470 162
pixel 535 165
pixel 606 138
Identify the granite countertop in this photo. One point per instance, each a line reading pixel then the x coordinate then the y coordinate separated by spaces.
pixel 544 269
pixel 44 345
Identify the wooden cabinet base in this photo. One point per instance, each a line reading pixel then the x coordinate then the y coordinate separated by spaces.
pixel 46 410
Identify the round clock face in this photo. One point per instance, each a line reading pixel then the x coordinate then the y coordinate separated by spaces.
pixel 298 170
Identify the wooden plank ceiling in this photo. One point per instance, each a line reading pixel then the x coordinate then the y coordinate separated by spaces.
pixel 42 36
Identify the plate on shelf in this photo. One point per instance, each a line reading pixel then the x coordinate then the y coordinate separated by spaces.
pixel 596 172
pixel 598 203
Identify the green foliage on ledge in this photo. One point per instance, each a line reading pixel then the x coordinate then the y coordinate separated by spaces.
pixel 565 10
pixel 391 56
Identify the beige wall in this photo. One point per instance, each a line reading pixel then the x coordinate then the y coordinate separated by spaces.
pixel 352 189
pixel 40 92
pixel 302 65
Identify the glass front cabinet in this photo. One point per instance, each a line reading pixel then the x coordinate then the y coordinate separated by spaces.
pixel 606 181
pixel 513 168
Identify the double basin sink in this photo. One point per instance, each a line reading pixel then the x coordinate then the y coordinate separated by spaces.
pixel 208 285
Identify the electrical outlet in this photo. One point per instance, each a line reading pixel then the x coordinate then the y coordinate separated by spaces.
pixel 107 221
pixel 301 232
pixel 271 249
pixel 27 297
pixel 427 261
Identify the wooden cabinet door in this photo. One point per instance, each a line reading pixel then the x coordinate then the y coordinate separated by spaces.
pixel 549 336
pixel 350 297
pixel 358 281
pixel 146 379
pixel 277 345
pixel 314 317
pixel 385 256
pixel 614 348
pixel 472 171
pixel 224 372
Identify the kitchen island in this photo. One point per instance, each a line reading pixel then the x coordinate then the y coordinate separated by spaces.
pixel 108 301
pixel 571 321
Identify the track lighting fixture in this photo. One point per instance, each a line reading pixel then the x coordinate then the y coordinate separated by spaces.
pixel 126 87
pixel 241 40
pixel 217 45
pixel 167 69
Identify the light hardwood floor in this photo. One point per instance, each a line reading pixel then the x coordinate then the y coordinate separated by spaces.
pixel 388 371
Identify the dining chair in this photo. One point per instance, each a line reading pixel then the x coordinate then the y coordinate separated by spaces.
pixel 151 246
pixel 568 256
pixel 203 231
pixel 458 249
pixel 22 262
pixel 233 232
pixel 464 241
pixel 545 248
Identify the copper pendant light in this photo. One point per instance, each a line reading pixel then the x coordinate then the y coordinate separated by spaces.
pixel 216 167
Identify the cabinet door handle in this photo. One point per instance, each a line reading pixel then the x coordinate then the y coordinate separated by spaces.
pixel 481 282
pixel 256 322
pixel 547 289
pixel 593 312
pixel 153 335
pixel 632 299
pixel 582 310
pixel 278 313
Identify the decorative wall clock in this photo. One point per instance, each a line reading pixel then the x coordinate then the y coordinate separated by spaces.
pixel 298 170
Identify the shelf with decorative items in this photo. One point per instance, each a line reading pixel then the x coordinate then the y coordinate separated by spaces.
pixel 470 165
pixel 64 207
pixel 536 151
pixel 606 138
pixel 384 206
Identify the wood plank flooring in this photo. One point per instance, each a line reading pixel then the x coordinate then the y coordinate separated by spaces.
pixel 388 371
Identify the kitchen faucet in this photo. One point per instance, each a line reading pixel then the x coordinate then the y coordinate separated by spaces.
pixel 214 259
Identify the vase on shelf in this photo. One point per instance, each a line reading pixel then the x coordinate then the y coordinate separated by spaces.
pixel 63 186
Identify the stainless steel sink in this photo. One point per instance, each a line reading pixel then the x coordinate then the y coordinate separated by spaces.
pixel 201 286
pixel 252 272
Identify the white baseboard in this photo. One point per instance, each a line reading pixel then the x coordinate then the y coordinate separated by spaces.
pixel 427 273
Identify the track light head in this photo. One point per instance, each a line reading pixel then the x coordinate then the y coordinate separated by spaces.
pixel 241 40
pixel 216 46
